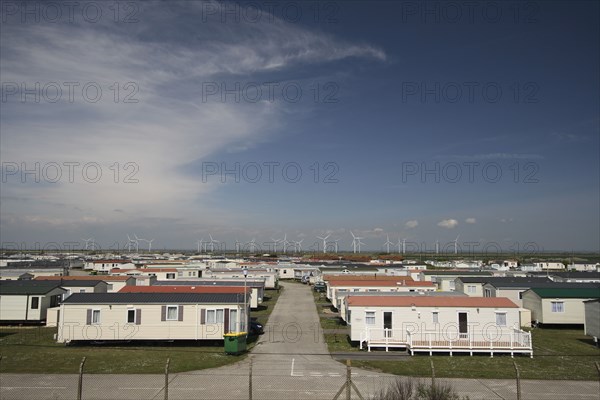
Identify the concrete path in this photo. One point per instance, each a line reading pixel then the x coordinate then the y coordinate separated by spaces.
pixel 290 361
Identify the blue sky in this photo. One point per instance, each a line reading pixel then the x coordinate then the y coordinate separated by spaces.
pixel 369 94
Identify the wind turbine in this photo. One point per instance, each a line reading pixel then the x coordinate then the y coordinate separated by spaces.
pixel 437 247
pixel 212 243
pixel 298 246
pixel 324 239
pixel 275 241
pixel 87 242
pixel 145 240
pixel 456 245
pixel 353 242
pixel 359 243
pixel 130 241
pixel 200 244
pixel 237 246
pixel 399 245
pixel 285 243
pixel 251 245
pixel 336 245
pixel 387 243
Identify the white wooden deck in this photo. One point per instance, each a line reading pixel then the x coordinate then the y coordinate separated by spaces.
pixel 502 340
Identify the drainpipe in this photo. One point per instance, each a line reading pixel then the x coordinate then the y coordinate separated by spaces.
pixel 27 309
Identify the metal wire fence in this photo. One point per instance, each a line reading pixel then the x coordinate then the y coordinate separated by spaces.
pixel 274 377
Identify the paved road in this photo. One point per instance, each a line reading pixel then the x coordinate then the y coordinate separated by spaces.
pixel 290 361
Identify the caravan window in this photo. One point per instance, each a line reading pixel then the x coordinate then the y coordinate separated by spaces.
pixel 172 313
pixel 501 319
pixel 370 318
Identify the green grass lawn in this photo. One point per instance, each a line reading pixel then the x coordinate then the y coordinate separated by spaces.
pixel 34 350
pixel 327 322
pixel 558 354
pixel 339 343
pixel 266 308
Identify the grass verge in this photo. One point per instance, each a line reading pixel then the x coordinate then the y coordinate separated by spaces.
pixel 558 354
pixel 34 350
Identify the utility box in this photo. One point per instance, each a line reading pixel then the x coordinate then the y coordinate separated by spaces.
pixel 235 343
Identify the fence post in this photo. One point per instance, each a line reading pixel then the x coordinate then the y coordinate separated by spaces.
pixel 598 369
pixel 250 381
pixel 348 380
pixel 432 374
pixel 80 382
pixel 518 380
pixel 348 385
pixel 167 379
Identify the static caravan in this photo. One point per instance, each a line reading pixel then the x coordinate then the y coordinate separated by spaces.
pixel 339 289
pixel 113 283
pixel 189 289
pixel 559 305
pixel 151 316
pixel 438 324
pixel 344 300
pixel 592 319
pixel 28 301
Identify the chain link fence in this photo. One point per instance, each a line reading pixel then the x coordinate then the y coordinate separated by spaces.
pixel 273 379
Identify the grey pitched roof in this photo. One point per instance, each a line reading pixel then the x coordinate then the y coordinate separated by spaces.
pixel 153 298
pixel 460 273
pixel 506 281
pixel 81 283
pixel 26 287
pixel 570 274
pixel 417 294
pixel 219 282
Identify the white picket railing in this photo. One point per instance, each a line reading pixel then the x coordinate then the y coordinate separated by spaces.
pixel 499 339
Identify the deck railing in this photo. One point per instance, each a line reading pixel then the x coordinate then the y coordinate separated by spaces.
pixel 491 339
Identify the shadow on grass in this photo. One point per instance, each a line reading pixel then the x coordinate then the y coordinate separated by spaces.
pixel 154 345
pixel 590 342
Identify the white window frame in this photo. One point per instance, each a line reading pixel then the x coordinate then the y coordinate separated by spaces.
pixel 212 316
pixel 233 321
pixel 435 317
pixel 554 306
pixel 471 289
pixel 368 317
pixel 173 274
pixel 220 320
pixel 503 313
pixel 176 313
pixel 96 312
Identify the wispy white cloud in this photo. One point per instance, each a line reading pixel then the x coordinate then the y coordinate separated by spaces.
pixel 471 220
pixel 448 223
pixel 570 137
pixel 412 224
pixel 168 128
pixel 496 156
